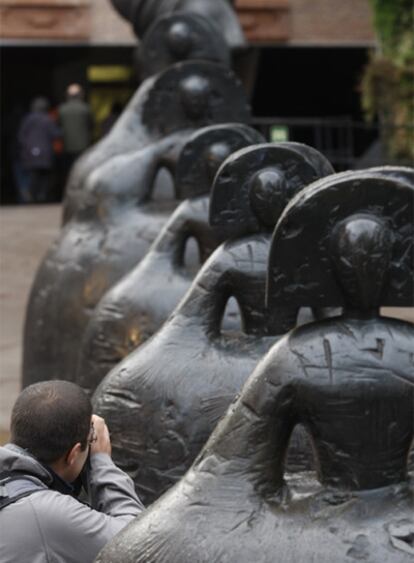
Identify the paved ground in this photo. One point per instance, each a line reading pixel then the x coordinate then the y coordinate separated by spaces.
pixel 25 234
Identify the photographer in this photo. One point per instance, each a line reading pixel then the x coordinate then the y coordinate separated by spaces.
pixel 56 444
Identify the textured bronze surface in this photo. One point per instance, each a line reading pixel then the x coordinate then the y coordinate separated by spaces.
pixel 184 97
pixel 163 400
pixel 142 13
pixel 143 299
pixel 348 380
pixel 111 221
pixel 179 37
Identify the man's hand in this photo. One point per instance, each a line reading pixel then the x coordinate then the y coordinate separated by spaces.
pixel 102 443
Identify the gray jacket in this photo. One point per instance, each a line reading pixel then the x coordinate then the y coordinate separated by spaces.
pixel 51 527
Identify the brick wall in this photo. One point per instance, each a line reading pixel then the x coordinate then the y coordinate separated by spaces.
pixel 331 22
pixel 297 22
pixel 108 26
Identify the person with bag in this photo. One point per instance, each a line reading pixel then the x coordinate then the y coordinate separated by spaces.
pixel 36 136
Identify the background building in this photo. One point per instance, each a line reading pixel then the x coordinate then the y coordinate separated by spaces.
pixel 305 60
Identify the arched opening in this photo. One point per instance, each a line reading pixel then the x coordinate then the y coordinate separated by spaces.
pixel 163 186
pixel 232 319
pixel 300 455
pixel 191 257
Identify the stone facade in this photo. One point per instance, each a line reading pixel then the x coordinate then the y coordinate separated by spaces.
pixel 45 19
pixel 331 22
pixel 108 27
pixel 293 22
pixel 265 21
pixel 86 21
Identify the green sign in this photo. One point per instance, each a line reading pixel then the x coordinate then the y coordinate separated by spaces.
pixel 279 133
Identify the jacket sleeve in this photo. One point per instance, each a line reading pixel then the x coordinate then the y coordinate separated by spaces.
pixel 74 532
pixel 111 490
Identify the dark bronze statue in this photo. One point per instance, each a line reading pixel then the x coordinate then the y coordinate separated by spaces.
pixel 142 300
pixel 177 37
pixel 163 400
pixel 170 39
pixel 115 223
pixel 346 241
pixel 137 127
pixel 142 13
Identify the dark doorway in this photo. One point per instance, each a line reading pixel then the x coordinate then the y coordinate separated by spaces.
pixel 31 71
pixel 309 82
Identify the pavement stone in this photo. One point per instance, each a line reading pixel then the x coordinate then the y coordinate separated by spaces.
pixel 25 234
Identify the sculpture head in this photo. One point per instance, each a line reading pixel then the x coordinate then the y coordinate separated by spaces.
pixel 179 39
pixel 267 195
pixel 205 151
pixel 194 94
pixel 253 186
pixel 361 251
pixel 143 13
pixel 215 155
pixel 346 241
pixel 181 36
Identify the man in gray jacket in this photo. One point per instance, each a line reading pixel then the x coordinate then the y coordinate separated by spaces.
pixel 54 436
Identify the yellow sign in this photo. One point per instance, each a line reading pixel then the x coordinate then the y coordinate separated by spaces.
pixel 109 73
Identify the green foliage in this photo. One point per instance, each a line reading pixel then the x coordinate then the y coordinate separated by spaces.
pixel 394 24
pixel 388 81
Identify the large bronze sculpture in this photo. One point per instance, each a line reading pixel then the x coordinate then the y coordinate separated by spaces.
pixel 142 300
pixel 180 36
pixel 349 380
pixel 115 223
pixel 163 400
pixel 142 14
pixel 136 128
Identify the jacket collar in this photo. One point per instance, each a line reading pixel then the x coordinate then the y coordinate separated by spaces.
pixel 14 459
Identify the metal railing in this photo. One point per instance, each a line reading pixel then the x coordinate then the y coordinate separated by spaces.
pixel 346 143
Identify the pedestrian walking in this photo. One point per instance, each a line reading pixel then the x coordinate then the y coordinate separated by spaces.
pixel 36 135
pixel 76 122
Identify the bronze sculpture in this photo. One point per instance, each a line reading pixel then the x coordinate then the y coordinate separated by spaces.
pixel 170 39
pixel 349 380
pixel 115 223
pixel 142 300
pixel 162 401
pixel 180 36
pixel 136 128
pixel 142 13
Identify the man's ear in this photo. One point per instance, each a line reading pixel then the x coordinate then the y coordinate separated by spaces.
pixel 73 453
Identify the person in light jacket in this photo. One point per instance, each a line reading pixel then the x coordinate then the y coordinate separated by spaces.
pixel 57 444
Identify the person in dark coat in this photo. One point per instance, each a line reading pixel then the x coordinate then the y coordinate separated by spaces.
pixel 36 135
pixel 76 122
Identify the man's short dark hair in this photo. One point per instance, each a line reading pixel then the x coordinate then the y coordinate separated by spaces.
pixel 49 418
